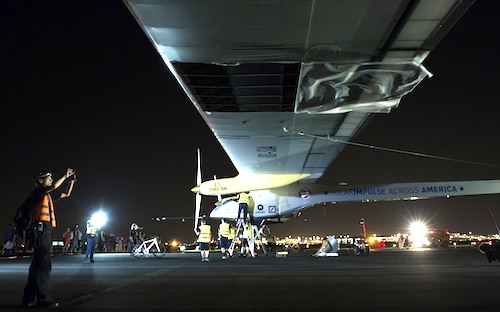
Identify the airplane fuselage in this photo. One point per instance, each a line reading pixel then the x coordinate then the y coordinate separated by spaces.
pixel 284 202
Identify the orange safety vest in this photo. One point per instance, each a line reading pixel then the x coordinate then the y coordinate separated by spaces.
pixel 44 210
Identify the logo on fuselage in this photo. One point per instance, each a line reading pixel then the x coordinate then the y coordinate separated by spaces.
pixel 305 194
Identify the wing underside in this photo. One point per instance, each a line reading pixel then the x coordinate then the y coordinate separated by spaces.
pixel 284 85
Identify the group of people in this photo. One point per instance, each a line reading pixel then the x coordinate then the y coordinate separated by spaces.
pixel 72 239
pixel 41 200
pixel 227 233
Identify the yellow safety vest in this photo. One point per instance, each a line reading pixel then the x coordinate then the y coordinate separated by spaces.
pixel 224 229
pixel 205 235
pixel 244 199
pixel 44 210
pixel 232 233
pixel 91 230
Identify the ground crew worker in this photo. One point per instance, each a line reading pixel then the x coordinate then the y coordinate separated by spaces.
pixel 36 291
pixel 243 202
pixel 91 242
pixel 224 232
pixel 204 232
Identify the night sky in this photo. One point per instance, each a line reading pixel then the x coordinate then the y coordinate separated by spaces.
pixel 82 87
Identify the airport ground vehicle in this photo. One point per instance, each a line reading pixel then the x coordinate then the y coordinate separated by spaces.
pixel 438 238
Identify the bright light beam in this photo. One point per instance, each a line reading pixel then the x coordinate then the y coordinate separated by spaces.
pixel 418 234
pixel 98 219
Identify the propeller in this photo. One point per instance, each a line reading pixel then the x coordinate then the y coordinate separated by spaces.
pixel 198 195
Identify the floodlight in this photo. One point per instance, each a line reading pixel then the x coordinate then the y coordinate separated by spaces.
pixel 98 219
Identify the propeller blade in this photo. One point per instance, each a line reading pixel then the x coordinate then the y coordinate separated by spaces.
pixel 198 195
pixel 198 171
pixel 197 210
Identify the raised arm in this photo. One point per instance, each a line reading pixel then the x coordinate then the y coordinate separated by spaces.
pixel 69 173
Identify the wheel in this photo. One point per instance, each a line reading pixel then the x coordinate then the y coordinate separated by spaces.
pixel 158 253
pixel 139 252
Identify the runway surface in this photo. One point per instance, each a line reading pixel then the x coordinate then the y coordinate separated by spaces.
pixel 446 279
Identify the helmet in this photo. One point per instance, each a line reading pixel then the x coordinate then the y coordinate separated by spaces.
pixel 40 175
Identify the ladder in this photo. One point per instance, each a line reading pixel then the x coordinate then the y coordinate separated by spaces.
pixel 241 229
pixel 240 226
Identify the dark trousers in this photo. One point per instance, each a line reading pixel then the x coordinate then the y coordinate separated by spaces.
pixel 37 287
pixel 242 211
pixel 91 242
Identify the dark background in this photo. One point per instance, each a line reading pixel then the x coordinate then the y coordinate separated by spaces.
pixel 82 86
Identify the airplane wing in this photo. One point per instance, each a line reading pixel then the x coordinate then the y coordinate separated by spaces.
pixel 283 85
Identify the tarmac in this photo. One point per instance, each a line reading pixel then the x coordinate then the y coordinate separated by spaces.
pixel 441 279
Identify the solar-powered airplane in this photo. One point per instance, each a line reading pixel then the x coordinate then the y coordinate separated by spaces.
pixel 285 86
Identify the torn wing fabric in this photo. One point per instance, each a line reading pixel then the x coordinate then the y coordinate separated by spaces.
pixel 368 87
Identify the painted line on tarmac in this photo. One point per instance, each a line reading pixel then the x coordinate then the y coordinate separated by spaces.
pixel 85 298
